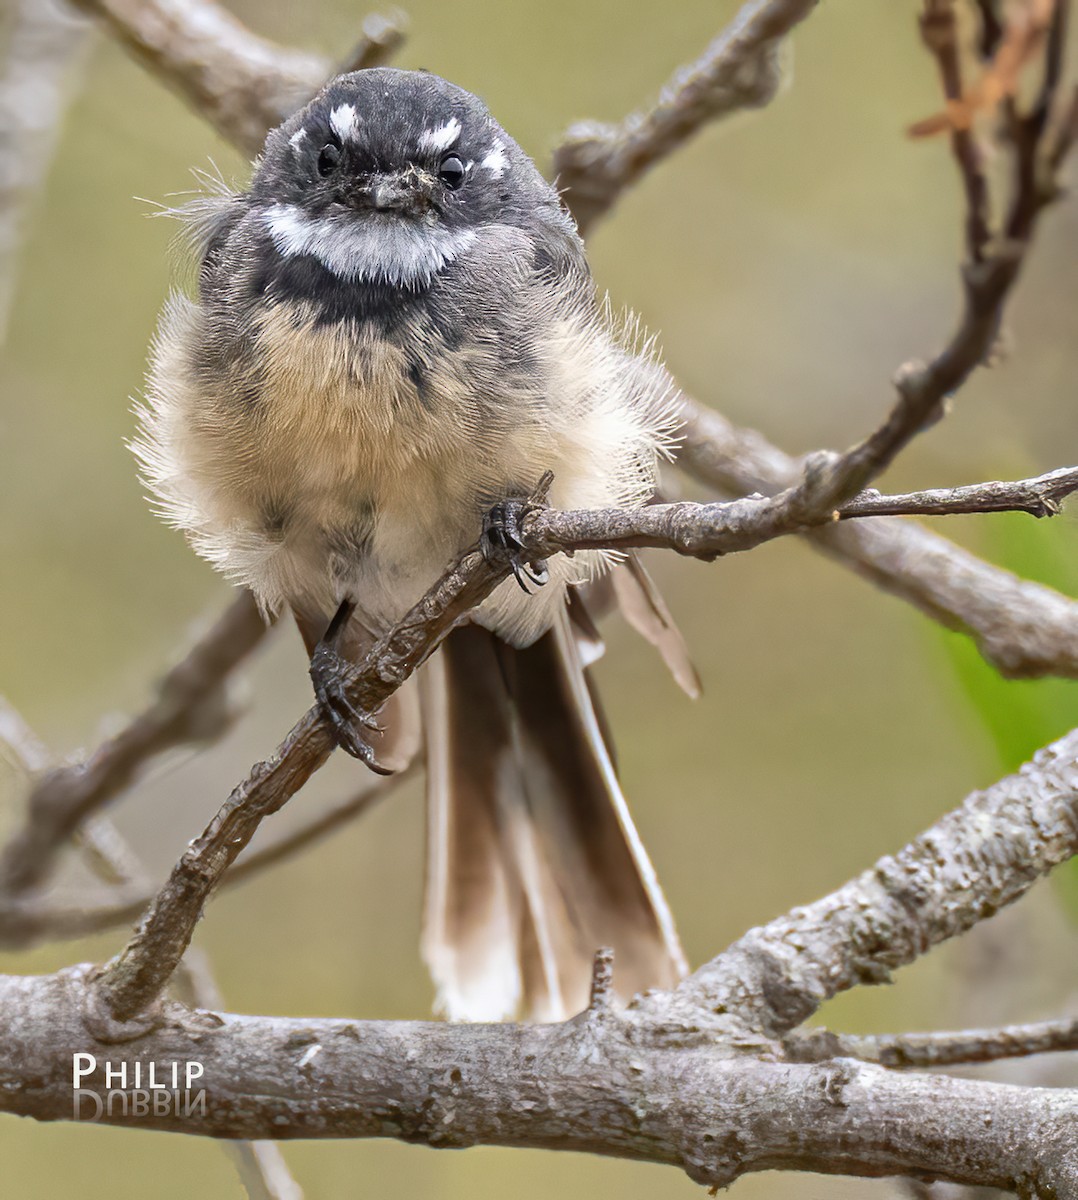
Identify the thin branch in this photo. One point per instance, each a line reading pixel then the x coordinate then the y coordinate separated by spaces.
pixel 939 29
pixel 263 1170
pixel 922 388
pixel 709 530
pixel 133 981
pixel 926 1050
pixel 970 864
pixel 830 480
pixel 190 707
pixel 1024 629
pixel 382 37
pixel 1040 497
pixel 741 69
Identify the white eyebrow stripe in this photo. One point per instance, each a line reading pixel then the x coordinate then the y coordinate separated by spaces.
pixel 344 121
pixel 296 140
pixel 441 138
pixel 496 160
pixel 393 251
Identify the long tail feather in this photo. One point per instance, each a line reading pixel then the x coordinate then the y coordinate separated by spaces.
pixel 534 862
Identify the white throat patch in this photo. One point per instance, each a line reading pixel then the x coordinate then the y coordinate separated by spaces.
pixel 379 248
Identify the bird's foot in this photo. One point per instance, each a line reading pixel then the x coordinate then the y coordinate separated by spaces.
pixel 503 539
pixel 332 675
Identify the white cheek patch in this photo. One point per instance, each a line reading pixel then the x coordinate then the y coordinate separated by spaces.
pixel 496 161
pixel 344 121
pixel 441 138
pixel 383 248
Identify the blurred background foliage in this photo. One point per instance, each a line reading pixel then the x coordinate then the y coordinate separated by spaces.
pixel 789 261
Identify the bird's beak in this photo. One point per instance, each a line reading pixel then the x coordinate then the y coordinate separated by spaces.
pixel 408 192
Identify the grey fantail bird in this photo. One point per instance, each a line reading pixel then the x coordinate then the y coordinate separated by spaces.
pixel 395 331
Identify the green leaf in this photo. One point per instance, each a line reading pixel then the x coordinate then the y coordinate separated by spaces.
pixel 1020 716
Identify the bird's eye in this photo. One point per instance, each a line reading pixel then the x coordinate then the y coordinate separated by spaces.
pixel 328 159
pixel 452 171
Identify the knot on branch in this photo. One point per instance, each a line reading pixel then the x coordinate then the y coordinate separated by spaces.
pixel 97 1015
pixel 758 80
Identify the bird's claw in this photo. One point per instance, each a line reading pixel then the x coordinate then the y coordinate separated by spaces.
pixel 331 675
pixel 503 541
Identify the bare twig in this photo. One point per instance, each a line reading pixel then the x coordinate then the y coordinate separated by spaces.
pixel 709 530
pixel 134 980
pixel 939 28
pixel 830 480
pixel 382 37
pixel 189 707
pixel 741 69
pixel 1024 629
pixel 923 387
pixel 263 1170
pixel 1040 497
pixel 925 1050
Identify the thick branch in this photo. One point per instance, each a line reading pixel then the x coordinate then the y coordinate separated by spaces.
pixel 740 69
pixel 190 706
pixel 599 1084
pixel 975 860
